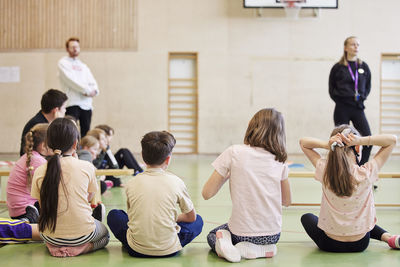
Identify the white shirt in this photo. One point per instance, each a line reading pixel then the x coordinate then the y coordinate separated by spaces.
pixel 255 185
pixel 77 80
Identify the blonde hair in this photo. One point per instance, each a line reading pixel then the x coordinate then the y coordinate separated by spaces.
pixel 267 130
pixel 337 175
pixel 89 141
pixel 96 133
pixel 33 139
pixel 343 59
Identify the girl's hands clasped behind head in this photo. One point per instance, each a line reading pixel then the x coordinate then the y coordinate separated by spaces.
pixel 336 140
pixel 350 140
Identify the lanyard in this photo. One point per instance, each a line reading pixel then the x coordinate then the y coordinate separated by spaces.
pixel 354 77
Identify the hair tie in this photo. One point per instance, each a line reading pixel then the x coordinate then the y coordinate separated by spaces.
pixel 334 144
pixel 30 168
pixel 57 152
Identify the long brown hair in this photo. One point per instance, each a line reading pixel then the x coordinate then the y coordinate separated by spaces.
pixel 33 139
pixel 337 175
pixel 61 136
pixel 267 130
pixel 343 59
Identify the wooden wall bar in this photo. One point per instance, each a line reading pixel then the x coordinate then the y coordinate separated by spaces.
pixel 47 24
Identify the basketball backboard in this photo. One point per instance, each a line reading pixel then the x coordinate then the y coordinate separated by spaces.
pixel 281 4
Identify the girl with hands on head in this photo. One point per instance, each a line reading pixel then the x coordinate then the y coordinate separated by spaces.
pixel 347 216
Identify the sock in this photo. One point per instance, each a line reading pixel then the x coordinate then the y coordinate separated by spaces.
pixel 394 242
pixel 252 251
pixel 225 248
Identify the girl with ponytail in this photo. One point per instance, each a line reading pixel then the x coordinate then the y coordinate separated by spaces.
pixel 64 186
pixel 19 201
pixel 347 217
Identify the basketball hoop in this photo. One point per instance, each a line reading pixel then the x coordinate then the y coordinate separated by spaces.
pixel 292 8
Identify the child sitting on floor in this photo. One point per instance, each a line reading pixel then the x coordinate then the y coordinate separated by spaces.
pixel 64 186
pixel 19 201
pixel 257 175
pixel 347 219
pixel 100 162
pixel 123 157
pixel 90 149
pixel 152 227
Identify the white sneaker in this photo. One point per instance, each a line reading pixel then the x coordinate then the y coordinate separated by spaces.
pixel 225 248
pixel 252 251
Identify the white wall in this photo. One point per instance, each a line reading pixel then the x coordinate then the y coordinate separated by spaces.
pixel 245 63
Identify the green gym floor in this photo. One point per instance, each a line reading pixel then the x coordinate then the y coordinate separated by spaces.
pixel 295 248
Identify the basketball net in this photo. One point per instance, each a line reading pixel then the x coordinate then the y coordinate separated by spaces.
pixel 292 8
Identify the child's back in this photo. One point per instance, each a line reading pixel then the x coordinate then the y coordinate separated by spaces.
pixel 255 185
pixel 258 182
pixel 74 213
pixel 19 200
pixel 153 196
pixel 152 226
pixel 18 189
pixel 64 186
pixel 353 215
pixel 347 218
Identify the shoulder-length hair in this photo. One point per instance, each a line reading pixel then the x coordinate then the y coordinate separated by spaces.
pixel 267 130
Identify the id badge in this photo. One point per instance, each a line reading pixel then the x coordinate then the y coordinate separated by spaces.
pixel 356 97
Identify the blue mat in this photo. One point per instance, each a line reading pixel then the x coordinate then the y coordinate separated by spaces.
pixel 296 165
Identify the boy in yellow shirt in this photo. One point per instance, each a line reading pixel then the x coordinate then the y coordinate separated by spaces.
pixel 152 226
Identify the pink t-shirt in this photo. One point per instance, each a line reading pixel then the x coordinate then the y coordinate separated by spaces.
pixel 18 192
pixel 255 186
pixel 348 216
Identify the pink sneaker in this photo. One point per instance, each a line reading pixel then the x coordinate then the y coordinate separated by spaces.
pixel 109 184
pixel 394 242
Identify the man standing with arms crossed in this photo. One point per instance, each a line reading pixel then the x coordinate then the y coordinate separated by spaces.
pixel 79 84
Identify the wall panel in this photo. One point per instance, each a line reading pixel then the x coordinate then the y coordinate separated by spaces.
pixel 46 24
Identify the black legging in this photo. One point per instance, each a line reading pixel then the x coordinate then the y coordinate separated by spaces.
pixel 124 158
pixel 84 117
pixel 324 242
pixel 343 114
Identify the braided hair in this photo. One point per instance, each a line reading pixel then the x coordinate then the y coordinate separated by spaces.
pixel 33 139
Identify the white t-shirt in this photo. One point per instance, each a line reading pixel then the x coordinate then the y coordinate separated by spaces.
pixel 76 80
pixel 74 218
pixel 255 186
pixel 153 197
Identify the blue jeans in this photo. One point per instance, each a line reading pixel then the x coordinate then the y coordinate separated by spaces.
pixel 117 220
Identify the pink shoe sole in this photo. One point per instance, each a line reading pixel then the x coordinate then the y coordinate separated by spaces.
pixel 269 254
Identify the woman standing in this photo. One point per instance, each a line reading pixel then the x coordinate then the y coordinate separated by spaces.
pixel 349 87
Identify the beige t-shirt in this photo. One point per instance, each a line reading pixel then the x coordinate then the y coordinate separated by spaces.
pixel 152 198
pixel 74 217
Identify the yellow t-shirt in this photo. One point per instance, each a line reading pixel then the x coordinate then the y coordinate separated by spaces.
pixel 74 217
pixel 152 199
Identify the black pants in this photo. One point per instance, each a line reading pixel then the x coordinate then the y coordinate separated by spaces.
pixel 324 242
pixel 343 114
pixel 125 158
pixel 83 116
